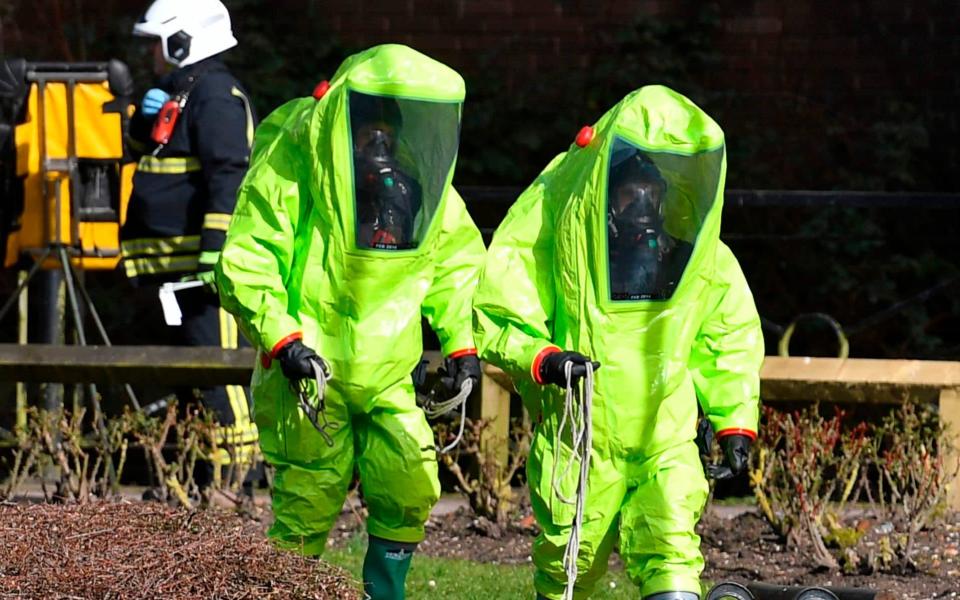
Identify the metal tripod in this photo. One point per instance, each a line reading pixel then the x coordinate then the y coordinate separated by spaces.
pixel 73 285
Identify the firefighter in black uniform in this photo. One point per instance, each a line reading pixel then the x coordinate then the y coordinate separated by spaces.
pixel 193 132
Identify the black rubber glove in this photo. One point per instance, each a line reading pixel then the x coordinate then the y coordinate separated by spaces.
pixel 736 457
pixel 704 439
pixel 419 374
pixel 736 452
pixel 295 361
pixel 457 370
pixel 552 367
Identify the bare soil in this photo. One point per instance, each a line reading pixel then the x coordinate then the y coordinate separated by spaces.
pixel 741 548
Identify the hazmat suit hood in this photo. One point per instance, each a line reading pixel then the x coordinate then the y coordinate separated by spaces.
pixel 383 142
pixel 360 284
pixel 670 155
pixel 557 252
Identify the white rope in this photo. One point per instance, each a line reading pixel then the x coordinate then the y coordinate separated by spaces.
pixel 316 414
pixel 436 409
pixel 576 411
pixel 322 378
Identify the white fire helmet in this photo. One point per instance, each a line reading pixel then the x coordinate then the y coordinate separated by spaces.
pixel 189 30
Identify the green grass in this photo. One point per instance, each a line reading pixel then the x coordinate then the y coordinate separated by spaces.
pixel 467 580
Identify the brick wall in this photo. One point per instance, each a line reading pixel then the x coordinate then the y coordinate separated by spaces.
pixel 525 34
pixel 772 46
pixel 798 65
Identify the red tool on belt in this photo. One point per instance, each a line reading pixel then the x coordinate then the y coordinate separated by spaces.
pixel 167 119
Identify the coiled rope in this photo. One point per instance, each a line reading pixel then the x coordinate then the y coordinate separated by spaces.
pixel 434 409
pixel 576 411
pixel 316 411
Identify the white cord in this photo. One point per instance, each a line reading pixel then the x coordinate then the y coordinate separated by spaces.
pixel 322 379
pixel 434 410
pixel 316 414
pixel 576 410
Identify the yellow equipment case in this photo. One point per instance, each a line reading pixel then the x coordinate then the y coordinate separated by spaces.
pixel 64 176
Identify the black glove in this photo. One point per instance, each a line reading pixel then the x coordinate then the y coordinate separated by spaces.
pixel 704 439
pixel 457 370
pixel 736 456
pixel 419 374
pixel 295 361
pixel 736 452
pixel 552 367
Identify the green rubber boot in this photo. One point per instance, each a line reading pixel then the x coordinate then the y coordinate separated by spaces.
pixel 385 568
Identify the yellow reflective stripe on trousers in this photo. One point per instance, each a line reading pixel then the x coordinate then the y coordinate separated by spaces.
pixel 152 265
pixel 219 221
pixel 237 450
pixel 159 246
pixel 246 106
pixel 169 166
pixel 242 427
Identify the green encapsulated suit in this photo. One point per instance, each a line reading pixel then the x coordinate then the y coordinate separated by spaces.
pixel 614 252
pixel 347 231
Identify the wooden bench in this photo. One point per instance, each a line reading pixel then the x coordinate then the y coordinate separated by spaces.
pixel 783 379
pixel 850 381
pixel 176 366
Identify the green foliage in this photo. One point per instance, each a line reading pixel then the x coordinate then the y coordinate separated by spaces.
pixel 843 537
pixel 855 264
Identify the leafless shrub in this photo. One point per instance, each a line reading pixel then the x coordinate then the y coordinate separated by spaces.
pixel 85 466
pixel 808 469
pixel 88 466
pixel 487 482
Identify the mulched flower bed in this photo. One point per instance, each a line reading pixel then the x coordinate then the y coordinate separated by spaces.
pixel 147 550
pixel 122 550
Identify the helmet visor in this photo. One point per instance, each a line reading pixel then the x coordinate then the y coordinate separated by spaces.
pixel 403 152
pixel 656 205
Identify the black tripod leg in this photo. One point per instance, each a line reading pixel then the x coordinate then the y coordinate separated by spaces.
pixel 91 388
pixel 106 339
pixel 23 284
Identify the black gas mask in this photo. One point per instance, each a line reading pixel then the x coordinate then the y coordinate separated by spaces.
pixel 635 215
pixel 386 199
pixel 636 238
pixel 656 203
pixel 403 153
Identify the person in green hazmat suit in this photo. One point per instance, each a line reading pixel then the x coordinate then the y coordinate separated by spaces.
pixel 347 230
pixel 612 257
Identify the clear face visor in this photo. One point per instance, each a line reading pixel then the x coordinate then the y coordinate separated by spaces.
pixel 403 152
pixel 656 205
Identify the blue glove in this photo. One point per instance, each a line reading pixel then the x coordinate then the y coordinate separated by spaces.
pixel 153 101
